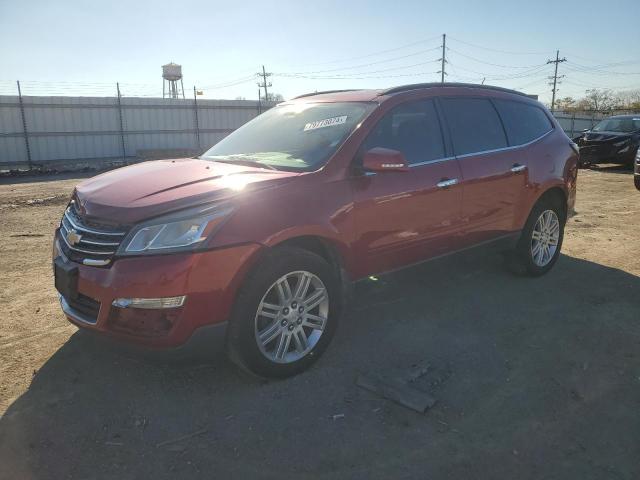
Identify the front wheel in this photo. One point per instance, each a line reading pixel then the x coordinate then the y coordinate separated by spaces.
pixel 636 181
pixel 285 315
pixel 539 245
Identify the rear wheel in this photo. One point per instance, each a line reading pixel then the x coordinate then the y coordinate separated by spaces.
pixel 636 180
pixel 285 315
pixel 539 245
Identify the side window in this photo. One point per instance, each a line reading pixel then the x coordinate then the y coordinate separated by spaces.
pixel 411 128
pixel 474 125
pixel 523 122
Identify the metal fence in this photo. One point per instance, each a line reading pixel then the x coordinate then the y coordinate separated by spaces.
pixel 71 132
pixel 61 132
pixel 573 123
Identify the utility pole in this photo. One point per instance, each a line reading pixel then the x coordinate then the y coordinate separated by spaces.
pixel 555 78
pixel 444 58
pixel 264 83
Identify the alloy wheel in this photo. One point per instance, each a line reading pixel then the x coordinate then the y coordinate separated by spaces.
pixel 545 238
pixel 291 317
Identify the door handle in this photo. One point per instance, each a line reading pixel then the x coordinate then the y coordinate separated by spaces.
pixel 518 168
pixel 446 182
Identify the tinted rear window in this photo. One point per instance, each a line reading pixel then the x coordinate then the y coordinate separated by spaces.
pixel 523 122
pixel 474 125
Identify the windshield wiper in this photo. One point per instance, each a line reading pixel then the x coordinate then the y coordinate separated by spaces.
pixel 248 162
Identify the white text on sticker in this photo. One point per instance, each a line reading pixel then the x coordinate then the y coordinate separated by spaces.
pixel 328 122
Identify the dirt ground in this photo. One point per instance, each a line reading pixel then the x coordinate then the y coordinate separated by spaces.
pixel 534 378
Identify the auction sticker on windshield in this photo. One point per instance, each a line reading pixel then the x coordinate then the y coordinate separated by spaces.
pixel 327 122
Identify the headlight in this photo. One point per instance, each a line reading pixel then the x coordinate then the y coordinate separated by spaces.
pixel 179 231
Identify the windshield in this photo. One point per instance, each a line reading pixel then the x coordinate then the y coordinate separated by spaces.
pixel 299 136
pixel 622 125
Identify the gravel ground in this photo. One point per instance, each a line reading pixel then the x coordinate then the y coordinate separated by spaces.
pixel 534 378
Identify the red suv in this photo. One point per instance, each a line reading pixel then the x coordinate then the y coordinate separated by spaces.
pixel 256 241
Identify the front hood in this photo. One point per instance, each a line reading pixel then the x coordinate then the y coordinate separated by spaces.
pixel 145 190
pixel 605 137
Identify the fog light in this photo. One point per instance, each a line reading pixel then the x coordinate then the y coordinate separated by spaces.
pixel 166 302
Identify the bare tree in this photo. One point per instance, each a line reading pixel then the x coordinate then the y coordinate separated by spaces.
pixel 275 97
pixel 629 99
pixel 566 104
pixel 595 99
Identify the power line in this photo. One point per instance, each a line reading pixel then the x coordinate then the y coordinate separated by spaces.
pixel 489 63
pixel 555 77
pixel 600 86
pixel 489 76
pixel 349 75
pixel 380 52
pixel 494 49
pixel 597 70
pixel 364 64
pixel 417 74
pixel 528 84
pixel 232 83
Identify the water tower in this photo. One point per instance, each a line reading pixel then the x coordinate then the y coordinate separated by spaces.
pixel 171 74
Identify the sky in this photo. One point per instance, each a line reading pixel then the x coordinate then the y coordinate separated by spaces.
pixel 84 47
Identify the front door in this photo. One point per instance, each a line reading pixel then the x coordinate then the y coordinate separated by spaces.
pixel 405 217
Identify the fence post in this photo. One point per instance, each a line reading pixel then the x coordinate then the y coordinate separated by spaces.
pixel 25 131
pixel 195 111
pixel 259 103
pixel 124 152
pixel 573 123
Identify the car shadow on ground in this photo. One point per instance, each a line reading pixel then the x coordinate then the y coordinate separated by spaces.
pixel 534 378
pixel 612 168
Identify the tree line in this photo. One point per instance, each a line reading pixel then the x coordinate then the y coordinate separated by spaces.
pixel 600 100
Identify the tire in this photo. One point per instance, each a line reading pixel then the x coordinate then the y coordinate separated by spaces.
pixel 264 290
pixel 526 259
pixel 636 181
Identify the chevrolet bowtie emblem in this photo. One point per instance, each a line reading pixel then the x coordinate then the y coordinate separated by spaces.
pixel 73 237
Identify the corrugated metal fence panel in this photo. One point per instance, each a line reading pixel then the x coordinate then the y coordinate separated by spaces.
pixel 68 128
pixel 88 128
pixel 11 139
pixel 573 125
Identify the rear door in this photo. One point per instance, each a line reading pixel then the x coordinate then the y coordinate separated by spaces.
pixel 405 217
pixel 493 175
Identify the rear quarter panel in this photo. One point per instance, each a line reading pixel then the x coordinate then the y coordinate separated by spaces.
pixel 552 164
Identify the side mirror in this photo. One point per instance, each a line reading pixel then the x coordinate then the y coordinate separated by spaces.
pixel 384 160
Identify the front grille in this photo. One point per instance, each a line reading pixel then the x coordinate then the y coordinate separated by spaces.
pixel 87 241
pixel 85 305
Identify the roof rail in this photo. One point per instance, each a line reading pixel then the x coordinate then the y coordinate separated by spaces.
pixel 417 86
pixel 325 91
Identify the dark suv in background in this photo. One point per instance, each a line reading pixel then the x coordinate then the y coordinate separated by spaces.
pixel 613 140
pixel 258 239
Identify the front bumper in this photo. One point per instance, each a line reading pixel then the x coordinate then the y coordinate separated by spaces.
pixel 591 154
pixel 210 281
